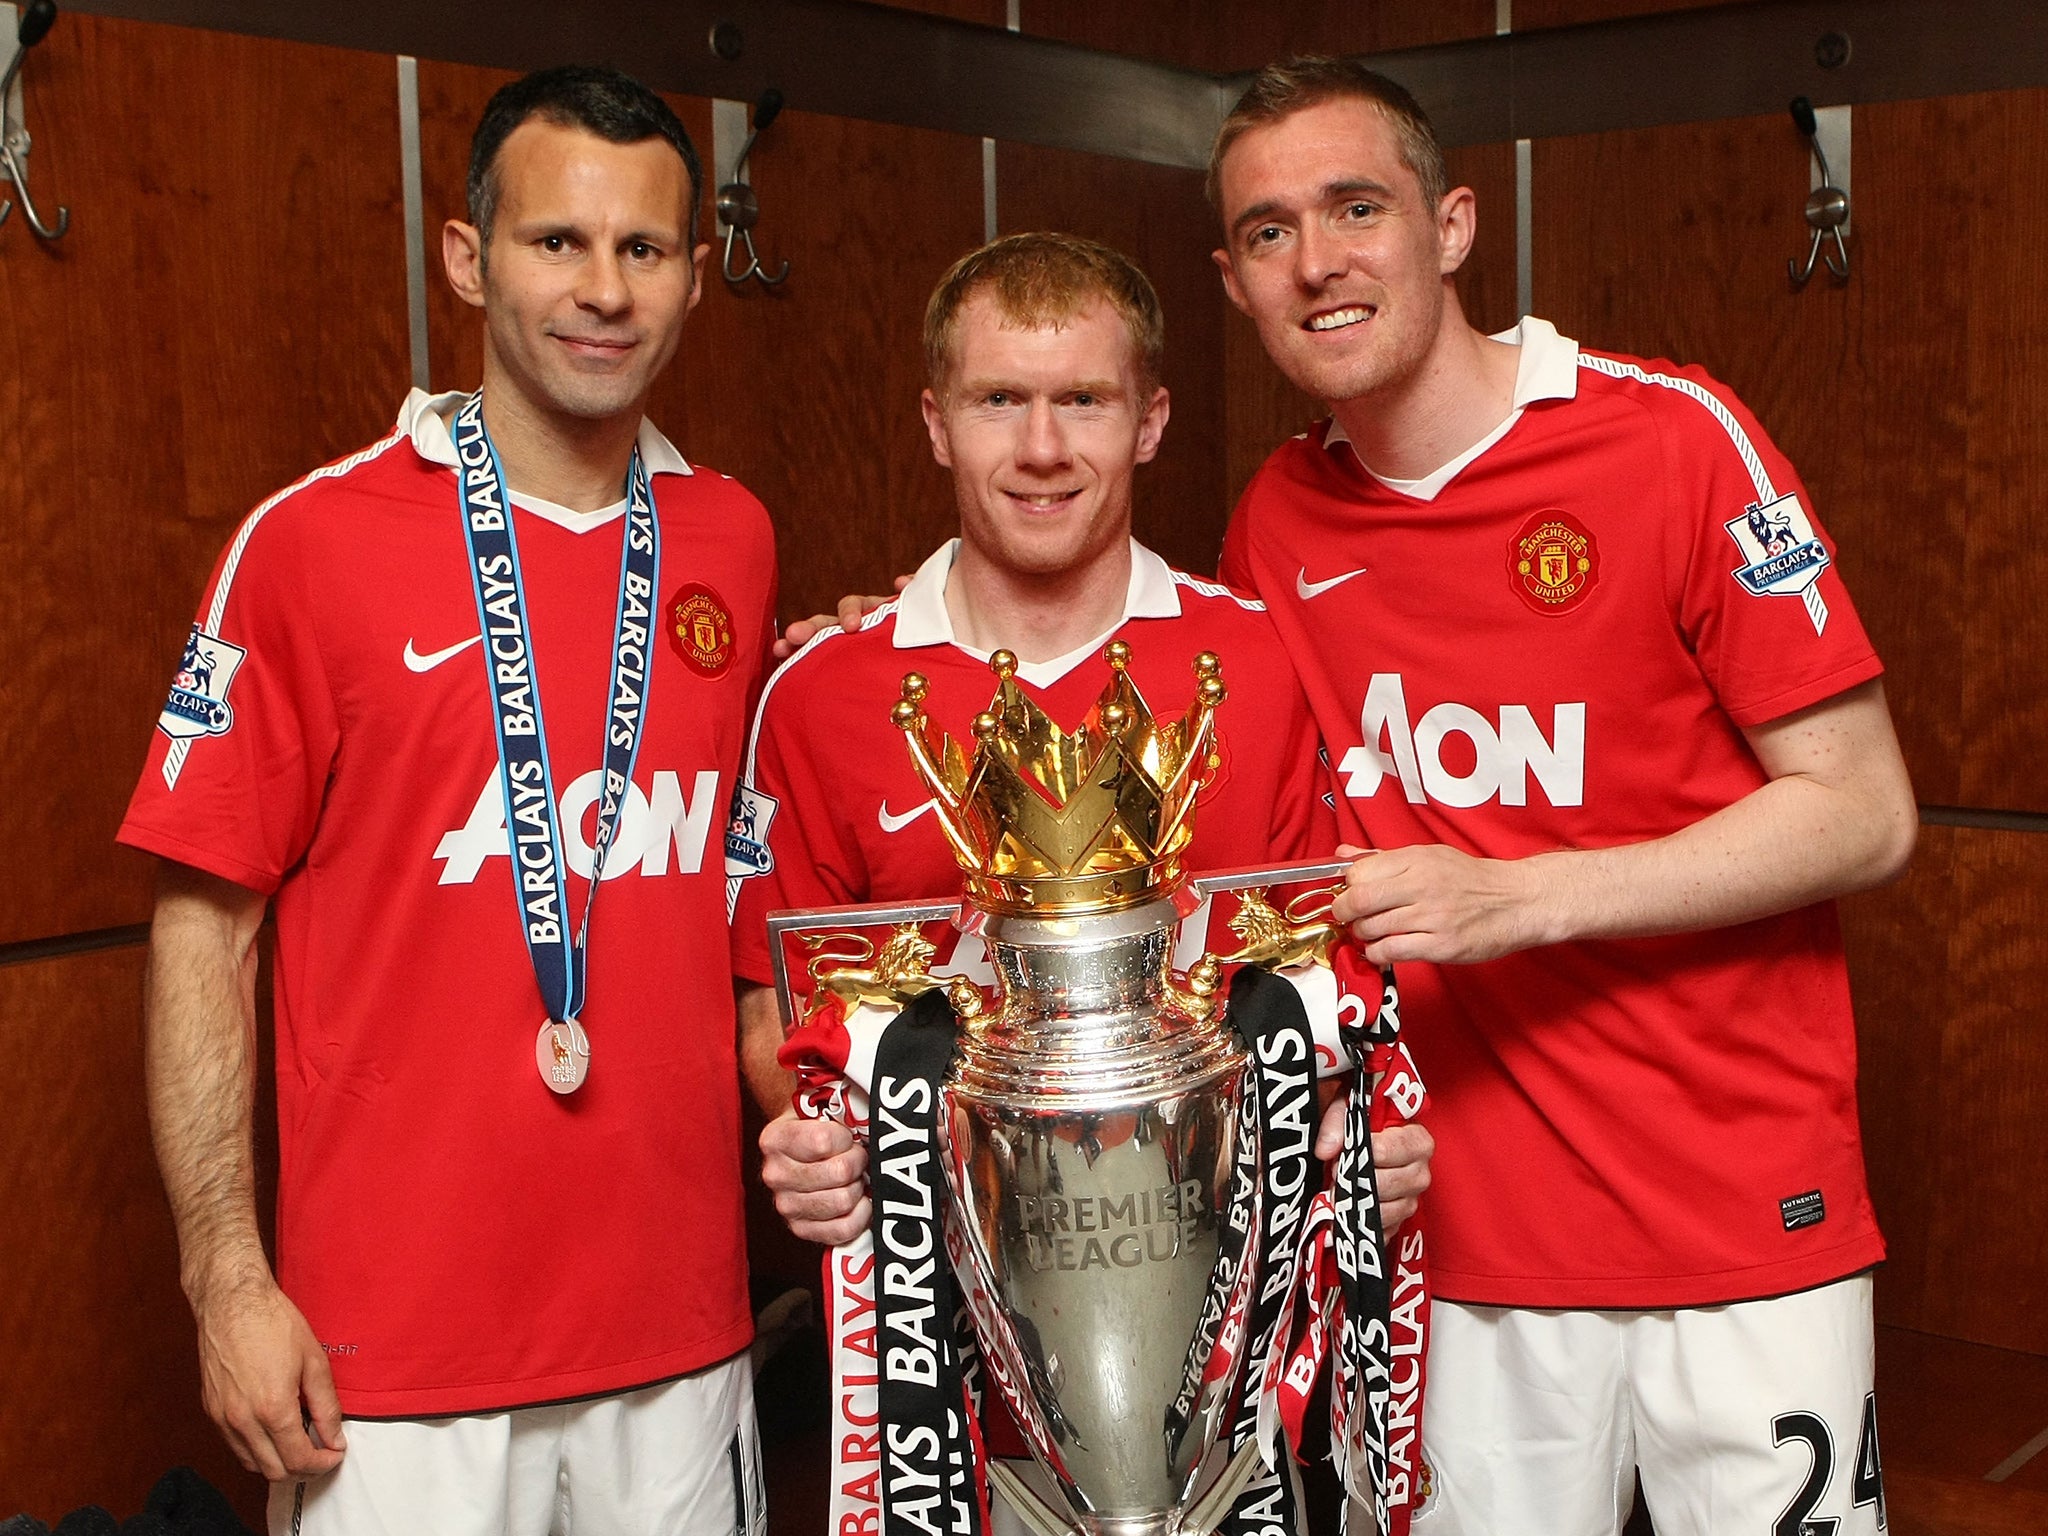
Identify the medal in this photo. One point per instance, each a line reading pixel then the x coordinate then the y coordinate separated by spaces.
pixel 539 873
pixel 562 1052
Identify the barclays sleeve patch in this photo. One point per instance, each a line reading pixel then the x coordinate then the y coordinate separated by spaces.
pixel 1781 555
pixel 198 705
pixel 746 837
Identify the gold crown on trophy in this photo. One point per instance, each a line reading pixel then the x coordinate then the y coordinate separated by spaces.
pixel 1047 821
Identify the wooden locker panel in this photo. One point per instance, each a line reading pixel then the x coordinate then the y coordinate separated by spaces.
pixel 1987 1260
pixel 808 393
pixel 1225 37
pixel 1157 216
pixel 1486 283
pixel 226 312
pixel 97 1347
pixel 1984 191
pixel 1671 243
pixel 452 98
pixel 1901 979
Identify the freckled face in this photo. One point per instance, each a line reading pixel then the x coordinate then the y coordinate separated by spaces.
pixel 1332 251
pixel 1043 429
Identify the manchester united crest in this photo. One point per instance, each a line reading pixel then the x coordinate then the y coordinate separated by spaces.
pixel 1553 562
pixel 700 629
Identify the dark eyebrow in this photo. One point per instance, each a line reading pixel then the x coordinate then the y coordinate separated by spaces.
pixel 1330 192
pixel 538 229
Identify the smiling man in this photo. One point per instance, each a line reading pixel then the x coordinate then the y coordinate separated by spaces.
pixel 510 1290
pixel 1593 690
pixel 1044 354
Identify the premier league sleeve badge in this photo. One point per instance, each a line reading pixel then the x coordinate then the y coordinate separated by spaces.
pixel 1781 555
pixel 198 705
pixel 746 835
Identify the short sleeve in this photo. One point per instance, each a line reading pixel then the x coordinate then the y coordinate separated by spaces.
pixel 801 857
pixel 1761 600
pixel 240 759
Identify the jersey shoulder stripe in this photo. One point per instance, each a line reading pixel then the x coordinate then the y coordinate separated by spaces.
pixel 217 609
pixel 1215 589
pixel 830 632
pixel 1745 447
pixel 217 606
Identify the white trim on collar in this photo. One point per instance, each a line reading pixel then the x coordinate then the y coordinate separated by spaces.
pixel 922 619
pixel 1547 369
pixel 423 418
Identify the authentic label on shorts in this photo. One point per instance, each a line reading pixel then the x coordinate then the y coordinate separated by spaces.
pixel 1553 562
pixel 1807 1210
pixel 700 629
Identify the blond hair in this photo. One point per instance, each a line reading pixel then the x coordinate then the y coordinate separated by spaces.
pixel 1294 85
pixel 1045 279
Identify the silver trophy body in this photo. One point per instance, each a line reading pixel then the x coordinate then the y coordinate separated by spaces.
pixel 1091 1125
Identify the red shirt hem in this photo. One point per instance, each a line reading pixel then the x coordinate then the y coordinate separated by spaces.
pixel 1659 1293
pixel 438 1402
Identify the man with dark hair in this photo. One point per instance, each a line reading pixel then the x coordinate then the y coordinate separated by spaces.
pixel 615 107
pixel 523 1293
pixel 1617 757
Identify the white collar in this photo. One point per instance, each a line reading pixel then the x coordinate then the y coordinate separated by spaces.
pixel 1547 369
pixel 922 619
pixel 423 419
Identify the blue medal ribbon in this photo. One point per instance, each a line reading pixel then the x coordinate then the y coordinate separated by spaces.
pixel 539 874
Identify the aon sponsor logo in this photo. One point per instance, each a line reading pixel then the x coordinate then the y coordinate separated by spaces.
pixel 654 827
pixel 1506 753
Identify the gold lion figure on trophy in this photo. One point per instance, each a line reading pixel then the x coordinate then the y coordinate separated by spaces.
pixel 900 972
pixel 1276 940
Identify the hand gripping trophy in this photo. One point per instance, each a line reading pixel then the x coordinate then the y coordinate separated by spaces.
pixel 1115 1164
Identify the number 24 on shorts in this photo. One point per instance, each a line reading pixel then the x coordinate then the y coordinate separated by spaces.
pixel 1866 1483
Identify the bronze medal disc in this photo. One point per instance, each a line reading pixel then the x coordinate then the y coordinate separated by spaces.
pixel 562 1052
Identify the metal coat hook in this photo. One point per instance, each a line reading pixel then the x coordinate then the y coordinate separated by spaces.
pixel 739 208
pixel 14 140
pixel 1827 207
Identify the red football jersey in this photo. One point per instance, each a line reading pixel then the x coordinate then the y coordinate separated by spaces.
pixel 459 1238
pixel 1555 643
pixel 844 818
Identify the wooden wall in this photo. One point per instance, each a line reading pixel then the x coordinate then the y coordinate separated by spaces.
pixel 229 311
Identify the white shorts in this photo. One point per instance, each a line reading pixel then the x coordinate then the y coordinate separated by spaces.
pixel 1757 1417
pixel 676 1459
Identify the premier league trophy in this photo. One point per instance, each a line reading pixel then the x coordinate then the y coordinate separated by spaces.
pixel 1121 1181
pixel 1092 1121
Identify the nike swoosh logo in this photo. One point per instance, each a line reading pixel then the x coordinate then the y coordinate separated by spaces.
pixel 892 823
pixel 415 662
pixel 1309 589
